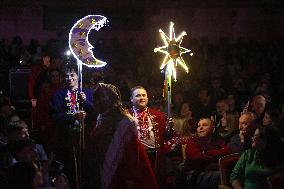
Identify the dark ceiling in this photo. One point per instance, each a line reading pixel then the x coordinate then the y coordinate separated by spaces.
pixel 146 3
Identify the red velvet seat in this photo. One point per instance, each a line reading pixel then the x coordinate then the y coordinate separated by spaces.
pixel 226 165
pixel 276 181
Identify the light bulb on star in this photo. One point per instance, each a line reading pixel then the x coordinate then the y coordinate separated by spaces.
pixel 173 51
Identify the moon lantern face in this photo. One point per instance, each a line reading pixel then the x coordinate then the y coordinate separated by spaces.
pixel 79 45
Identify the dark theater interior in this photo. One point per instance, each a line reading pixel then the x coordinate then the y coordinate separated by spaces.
pixel 141 94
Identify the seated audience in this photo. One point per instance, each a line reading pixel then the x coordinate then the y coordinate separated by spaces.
pixel 270 117
pixel 174 148
pixel 258 105
pixel 20 131
pixel 202 155
pixel 232 103
pixel 182 132
pixel 242 140
pixel 27 175
pixel 221 108
pixel 264 158
pixel 187 113
pixel 228 126
pixel 203 107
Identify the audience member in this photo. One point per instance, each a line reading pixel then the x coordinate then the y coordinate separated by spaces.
pixel 270 118
pixel 232 103
pixel 187 113
pixel 48 132
pixel 204 106
pixel 258 105
pixel 242 141
pixel 38 76
pixel 182 132
pixel 27 175
pixel 221 108
pixel 217 92
pixel 202 155
pixel 264 158
pixel 228 126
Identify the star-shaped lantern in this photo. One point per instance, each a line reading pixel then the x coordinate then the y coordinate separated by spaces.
pixel 172 51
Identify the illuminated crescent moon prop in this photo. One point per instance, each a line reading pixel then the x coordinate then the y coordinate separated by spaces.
pixel 79 44
pixel 172 58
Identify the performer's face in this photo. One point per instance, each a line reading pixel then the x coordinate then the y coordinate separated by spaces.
pixel 139 98
pixel 71 79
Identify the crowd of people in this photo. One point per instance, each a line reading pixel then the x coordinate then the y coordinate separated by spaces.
pixel 231 102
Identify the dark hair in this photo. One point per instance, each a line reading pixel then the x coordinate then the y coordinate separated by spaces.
pixel 273 113
pixel 12 128
pixel 70 67
pixel 185 102
pixel 109 97
pixel 272 153
pixel 54 70
pixel 21 175
pixel 208 92
pixel 45 54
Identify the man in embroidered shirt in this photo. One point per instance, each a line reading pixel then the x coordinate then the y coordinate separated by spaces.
pixel 151 126
pixel 68 108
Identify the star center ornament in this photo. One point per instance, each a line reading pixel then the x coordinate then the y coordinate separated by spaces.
pixel 173 51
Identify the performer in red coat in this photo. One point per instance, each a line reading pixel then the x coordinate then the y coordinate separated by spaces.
pixel 151 126
pixel 119 159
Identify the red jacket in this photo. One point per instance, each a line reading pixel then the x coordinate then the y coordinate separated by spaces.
pixel 159 122
pixel 201 154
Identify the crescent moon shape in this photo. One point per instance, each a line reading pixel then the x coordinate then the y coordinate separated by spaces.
pixel 79 44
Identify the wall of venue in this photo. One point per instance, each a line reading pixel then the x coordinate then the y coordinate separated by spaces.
pixel 141 25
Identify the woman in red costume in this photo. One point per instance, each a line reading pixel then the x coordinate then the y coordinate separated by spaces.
pixel 120 160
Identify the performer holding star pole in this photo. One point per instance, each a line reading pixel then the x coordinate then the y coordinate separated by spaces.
pixel 151 126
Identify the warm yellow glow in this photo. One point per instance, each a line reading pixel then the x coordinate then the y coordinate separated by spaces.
pixel 172 51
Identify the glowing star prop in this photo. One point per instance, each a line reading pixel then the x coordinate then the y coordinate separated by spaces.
pixel 79 44
pixel 172 51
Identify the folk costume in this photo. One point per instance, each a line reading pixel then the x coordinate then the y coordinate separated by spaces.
pixel 64 104
pixel 151 125
pixel 120 160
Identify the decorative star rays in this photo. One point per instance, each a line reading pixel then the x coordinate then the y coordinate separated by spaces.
pixel 172 51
